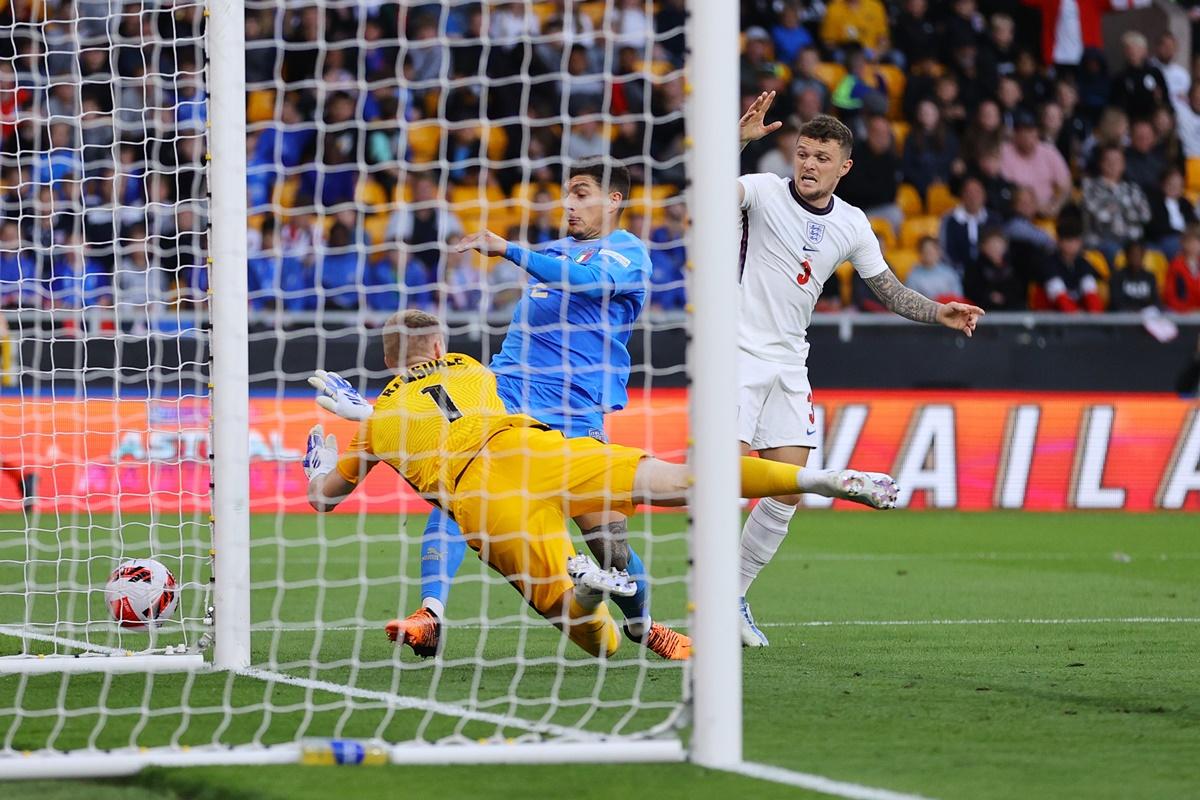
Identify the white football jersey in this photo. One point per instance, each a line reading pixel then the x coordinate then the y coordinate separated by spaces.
pixel 789 249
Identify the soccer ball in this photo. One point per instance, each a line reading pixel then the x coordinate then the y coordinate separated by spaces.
pixel 141 593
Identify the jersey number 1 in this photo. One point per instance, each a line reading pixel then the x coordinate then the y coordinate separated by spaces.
pixel 438 394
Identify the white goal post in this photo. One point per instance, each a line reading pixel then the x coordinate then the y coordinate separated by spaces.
pixel 312 652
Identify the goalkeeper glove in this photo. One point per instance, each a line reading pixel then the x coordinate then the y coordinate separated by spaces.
pixel 337 396
pixel 322 454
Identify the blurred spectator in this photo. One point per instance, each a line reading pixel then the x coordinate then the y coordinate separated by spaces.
pixel 1133 287
pixel 141 289
pixel 1001 193
pixel 668 256
pixel 789 35
pixel 464 279
pixel 991 282
pixel 962 228
pixel 505 283
pixel 984 134
pixel 1170 214
pixel 933 277
pixel 1028 243
pixel 1115 211
pixel 859 86
pixel 672 16
pixel 1011 100
pixel 873 182
pixel 781 160
pixel 631 25
pixel 424 224
pixel 1177 77
pixel 1068 29
pixel 541 227
pixel 18 269
pixel 1075 128
pixel 1030 162
pixel 804 77
pixel 1071 283
pixel 914 33
pixel 964 25
pixel 998 54
pixel 342 267
pixel 1093 82
pixel 756 58
pixel 1187 122
pixel 862 21
pixel 1144 160
pixel 1111 130
pixel 930 151
pixel 1181 290
pixel 584 137
pixel 1140 87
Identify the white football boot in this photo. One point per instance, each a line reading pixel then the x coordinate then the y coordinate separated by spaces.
pixel 588 577
pixel 752 635
pixel 873 489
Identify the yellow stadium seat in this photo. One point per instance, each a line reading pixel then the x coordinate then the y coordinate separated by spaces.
pixel 909 200
pixel 1049 226
pixel 883 229
pixel 915 229
pixel 830 74
pixel 371 197
pixel 900 130
pixel 939 199
pixel 495 142
pixel 596 10
pixel 425 141
pixel 1098 262
pixel 845 273
pixel 894 78
pixel 376 226
pixel 260 106
pixel 901 261
pixel 1193 174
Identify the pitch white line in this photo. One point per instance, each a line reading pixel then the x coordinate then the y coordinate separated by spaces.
pixel 819 783
pixel 1028 621
pixel 21 633
pixel 816 623
pixel 401 702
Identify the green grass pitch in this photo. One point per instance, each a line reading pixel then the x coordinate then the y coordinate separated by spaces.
pixel 951 655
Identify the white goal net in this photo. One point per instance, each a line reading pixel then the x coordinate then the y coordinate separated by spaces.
pixel 377 134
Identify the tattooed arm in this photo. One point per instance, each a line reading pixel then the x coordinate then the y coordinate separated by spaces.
pixel 901 300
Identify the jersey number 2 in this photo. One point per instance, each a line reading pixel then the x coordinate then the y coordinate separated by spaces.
pixel 441 398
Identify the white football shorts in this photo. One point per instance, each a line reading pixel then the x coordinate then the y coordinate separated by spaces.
pixel 775 404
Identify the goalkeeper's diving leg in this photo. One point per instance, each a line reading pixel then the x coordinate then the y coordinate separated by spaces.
pixel 661 483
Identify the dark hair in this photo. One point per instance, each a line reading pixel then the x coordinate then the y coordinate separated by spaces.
pixel 825 128
pixel 611 176
pixel 1069 226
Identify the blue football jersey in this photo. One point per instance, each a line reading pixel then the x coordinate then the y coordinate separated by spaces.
pixel 572 334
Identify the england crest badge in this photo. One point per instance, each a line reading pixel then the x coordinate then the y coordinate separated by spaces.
pixel 816 232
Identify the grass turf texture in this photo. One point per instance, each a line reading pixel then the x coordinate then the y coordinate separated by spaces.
pixel 1008 708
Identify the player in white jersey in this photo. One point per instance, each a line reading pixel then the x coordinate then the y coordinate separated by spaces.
pixel 795 233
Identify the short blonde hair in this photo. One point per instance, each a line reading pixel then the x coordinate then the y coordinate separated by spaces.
pixel 409 331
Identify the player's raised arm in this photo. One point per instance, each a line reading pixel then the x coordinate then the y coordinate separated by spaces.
pixel 899 299
pixel 595 277
pixel 753 126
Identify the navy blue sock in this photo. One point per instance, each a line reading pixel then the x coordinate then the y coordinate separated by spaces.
pixel 636 608
pixel 442 551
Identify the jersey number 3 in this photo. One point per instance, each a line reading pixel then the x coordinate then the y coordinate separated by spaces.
pixel 441 398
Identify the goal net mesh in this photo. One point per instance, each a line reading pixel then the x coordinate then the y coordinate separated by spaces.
pixel 377 134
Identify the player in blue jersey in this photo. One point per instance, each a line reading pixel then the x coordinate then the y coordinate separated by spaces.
pixel 564 361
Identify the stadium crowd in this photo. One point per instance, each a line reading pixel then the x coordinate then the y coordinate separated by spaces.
pixel 1013 175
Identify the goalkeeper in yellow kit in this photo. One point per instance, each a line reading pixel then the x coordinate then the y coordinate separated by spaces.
pixel 511 483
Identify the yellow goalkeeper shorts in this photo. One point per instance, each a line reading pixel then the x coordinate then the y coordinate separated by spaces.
pixel 513 500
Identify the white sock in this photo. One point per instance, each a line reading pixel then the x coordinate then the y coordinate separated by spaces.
pixel 761 536
pixel 434 605
pixel 815 481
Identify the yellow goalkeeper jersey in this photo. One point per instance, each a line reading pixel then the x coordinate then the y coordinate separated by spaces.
pixel 430 422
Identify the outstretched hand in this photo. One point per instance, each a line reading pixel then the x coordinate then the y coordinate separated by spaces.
pixel 337 396
pixel 486 242
pixel 753 124
pixel 960 316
